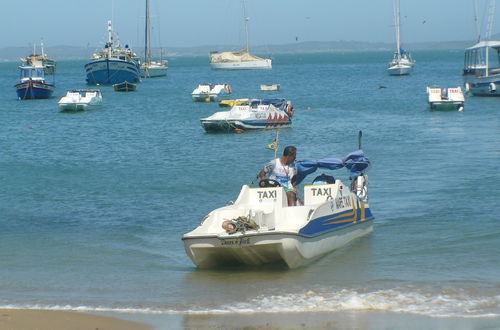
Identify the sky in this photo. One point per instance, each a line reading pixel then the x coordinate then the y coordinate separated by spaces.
pixel 186 23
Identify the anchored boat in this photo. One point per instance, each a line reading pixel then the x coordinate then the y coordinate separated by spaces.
pixel 243 60
pixel 80 99
pixel 256 114
pixel 210 92
pixel 402 62
pixel 265 230
pixel 32 84
pixel 114 64
pixel 446 98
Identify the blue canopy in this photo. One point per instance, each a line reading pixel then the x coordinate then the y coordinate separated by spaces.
pixel 356 162
pixel 278 103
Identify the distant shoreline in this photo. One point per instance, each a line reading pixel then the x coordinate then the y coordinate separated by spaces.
pixel 10 54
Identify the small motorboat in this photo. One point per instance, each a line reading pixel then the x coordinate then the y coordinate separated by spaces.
pixel 256 114
pixel 232 103
pixel 125 87
pixel 210 92
pixel 80 99
pixel 265 230
pixel 273 87
pixel 32 84
pixel 446 98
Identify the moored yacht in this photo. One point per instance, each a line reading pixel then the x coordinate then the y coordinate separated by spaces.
pixel 402 62
pixel 242 60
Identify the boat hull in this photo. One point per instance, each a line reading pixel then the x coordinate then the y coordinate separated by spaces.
pixel 265 64
pixel 399 70
pixel 205 97
pixel 446 106
pixel 482 86
pixel 73 107
pixel 34 90
pixel 292 249
pixel 228 126
pixel 154 71
pixel 112 71
pixel 125 87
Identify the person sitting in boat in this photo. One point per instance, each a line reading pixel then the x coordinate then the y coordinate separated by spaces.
pixel 280 172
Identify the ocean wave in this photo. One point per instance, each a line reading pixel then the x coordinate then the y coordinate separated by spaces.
pixel 448 303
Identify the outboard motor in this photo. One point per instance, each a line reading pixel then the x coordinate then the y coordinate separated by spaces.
pixel 493 87
pixel 467 87
pixel 359 186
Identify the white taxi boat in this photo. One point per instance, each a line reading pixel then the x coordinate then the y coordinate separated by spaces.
pixel 80 99
pixel 210 92
pixel 268 231
pixel 446 98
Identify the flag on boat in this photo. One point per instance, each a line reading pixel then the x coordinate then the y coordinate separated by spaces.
pixel 273 145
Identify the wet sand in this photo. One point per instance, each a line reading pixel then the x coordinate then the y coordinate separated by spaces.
pixel 31 319
pixel 21 319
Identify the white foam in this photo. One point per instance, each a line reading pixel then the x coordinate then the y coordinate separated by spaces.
pixel 444 304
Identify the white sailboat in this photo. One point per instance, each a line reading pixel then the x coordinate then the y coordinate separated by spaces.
pixel 239 60
pixel 150 68
pixel 401 63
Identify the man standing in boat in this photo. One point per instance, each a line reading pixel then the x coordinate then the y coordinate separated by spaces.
pixel 282 170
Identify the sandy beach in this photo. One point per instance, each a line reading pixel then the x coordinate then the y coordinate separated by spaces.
pixel 30 319
pixel 21 319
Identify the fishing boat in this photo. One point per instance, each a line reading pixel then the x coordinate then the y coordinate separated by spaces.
pixel 125 87
pixel 272 87
pixel 446 98
pixel 210 92
pixel 150 68
pixel 41 59
pixel 232 103
pixel 256 114
pixel 402 62
pixel 265 230
pixel 80 99
pixel 242 60
pixel 114 64
pixel 32 84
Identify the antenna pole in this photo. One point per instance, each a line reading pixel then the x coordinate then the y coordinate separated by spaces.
pixel 245 18
pixel 277 143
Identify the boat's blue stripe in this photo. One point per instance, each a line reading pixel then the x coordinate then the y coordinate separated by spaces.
pixel 335 221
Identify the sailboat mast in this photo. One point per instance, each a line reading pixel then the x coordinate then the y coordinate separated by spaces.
pixel 245 18
pixel 398 33
pixel 147 47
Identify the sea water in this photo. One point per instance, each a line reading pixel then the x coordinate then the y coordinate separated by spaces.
pixel 93 205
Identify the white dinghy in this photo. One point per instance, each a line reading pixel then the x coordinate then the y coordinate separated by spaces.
pixel 80 99
pixel 268 231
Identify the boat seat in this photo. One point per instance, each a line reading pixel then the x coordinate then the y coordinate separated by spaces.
pixel 319 193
